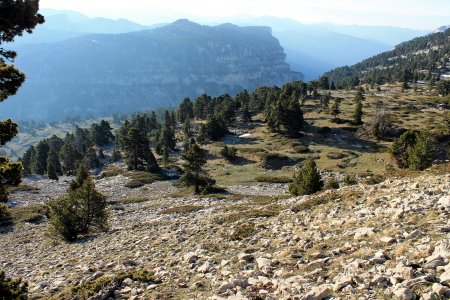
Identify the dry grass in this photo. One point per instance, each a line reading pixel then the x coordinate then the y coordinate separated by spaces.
pixel 185 209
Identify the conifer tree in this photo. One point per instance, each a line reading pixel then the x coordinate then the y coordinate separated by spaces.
pixel 51 171
pixel 78 211
pixel 186 130
pixel 307 180
pixel 27 159
pixel 81 176
pixel 185 110
pixel 53 158
pixel 40 162
pixel 69 156
pixel 336 108
pixel 194 174
pixel 359 98
pixel 167 137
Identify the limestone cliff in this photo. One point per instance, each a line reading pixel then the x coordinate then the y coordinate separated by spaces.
pixel 103 74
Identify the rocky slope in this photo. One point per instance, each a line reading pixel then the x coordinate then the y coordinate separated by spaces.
pixel 101 74
pixel 385 241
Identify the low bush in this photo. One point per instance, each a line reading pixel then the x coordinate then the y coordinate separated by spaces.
pixel 274 161
pixel 350 179
pixel 112 171
pixel 273 179
pixel 331 184
pixel 228 153
pixel 12 289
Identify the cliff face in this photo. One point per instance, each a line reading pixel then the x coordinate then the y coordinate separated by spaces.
pixel 103 74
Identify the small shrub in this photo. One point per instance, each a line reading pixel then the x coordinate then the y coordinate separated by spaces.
pixel 12 289
pixel 331 184
pixel 78 211
pixel 90 288
pixel 273 179
pixel 350 179
pixel 274 161
pixel 228 153
pixel 307 181
pixel 375 179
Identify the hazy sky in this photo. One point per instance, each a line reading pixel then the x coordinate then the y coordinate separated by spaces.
pixel 424 14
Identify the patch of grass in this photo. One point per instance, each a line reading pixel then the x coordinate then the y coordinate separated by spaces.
pixel 112 171
pixel 243 231
pixel 23 188
pixel 28 214
pixel 88 289
pixel 252 151
pixel 300 149
pixel 273 179
pixel 249 214
pixel 184 209
pixel 140 178
pixel 313 202
pixel 336 155
pixel 130 200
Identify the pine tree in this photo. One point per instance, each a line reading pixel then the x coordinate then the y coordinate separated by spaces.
pixel 414 150
pixel 193 173
pixel 359 98
pixel 78 211
pixel 246 116
pixel 40 162
pixel 81 176
pixel 335 108
pixel 185 110
pixel 51 171
pixel 27 159
pixel 69 156
pixel 307 180
pixel 186 130
pixel 134 145
pixel 115 156
pixel 167 137
pixel 53 158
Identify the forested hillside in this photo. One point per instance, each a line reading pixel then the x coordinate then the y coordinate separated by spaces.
pixel 422 58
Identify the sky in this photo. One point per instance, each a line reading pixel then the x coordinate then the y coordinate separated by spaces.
pixel 418 14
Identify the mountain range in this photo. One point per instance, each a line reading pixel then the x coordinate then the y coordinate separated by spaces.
pixel 102 74
pixel 311 49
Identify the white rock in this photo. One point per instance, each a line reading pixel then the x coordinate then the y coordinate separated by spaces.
pixel 404 293
pixel 317 293
pixel 439 289
pixel 363 232
pixel 263 262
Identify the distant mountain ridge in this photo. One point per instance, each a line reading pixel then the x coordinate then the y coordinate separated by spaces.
pixel 101 74
pixel 316 48
pixel 417 59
